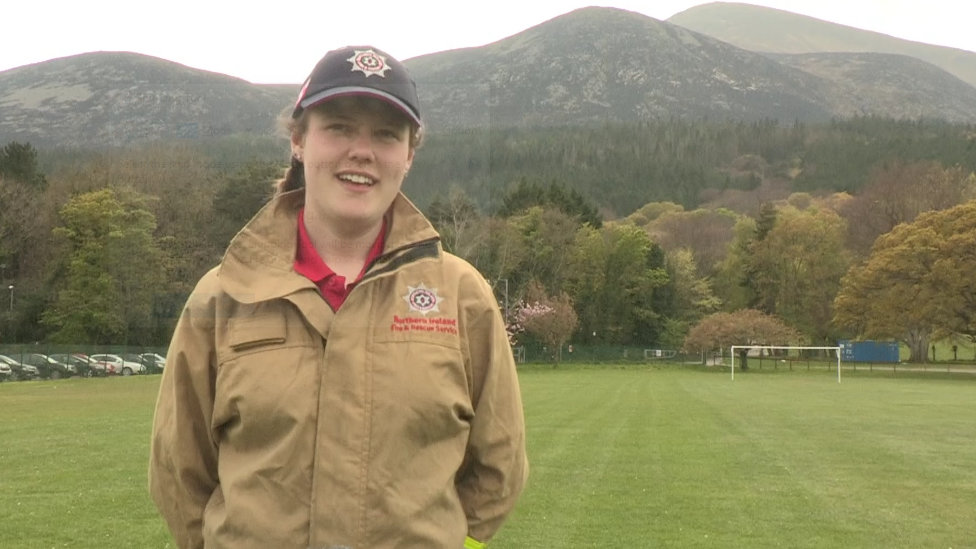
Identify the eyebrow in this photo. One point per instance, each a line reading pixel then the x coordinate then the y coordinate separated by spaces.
pixel 389 122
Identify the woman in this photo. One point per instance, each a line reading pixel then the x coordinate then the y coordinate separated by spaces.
pixel 340 380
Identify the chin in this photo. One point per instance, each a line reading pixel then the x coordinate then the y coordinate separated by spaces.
pixel 358 217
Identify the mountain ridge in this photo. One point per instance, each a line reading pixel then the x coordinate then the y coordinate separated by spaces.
pixel 771 30
pixel 589 66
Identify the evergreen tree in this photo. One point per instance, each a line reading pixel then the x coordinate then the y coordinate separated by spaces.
pixel 18 163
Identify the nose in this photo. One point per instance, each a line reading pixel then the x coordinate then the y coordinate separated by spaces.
pixel 361 147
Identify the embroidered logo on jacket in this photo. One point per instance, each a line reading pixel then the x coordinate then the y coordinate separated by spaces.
pixel 422 300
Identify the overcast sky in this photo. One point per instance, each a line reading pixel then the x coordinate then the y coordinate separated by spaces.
pixel 281 41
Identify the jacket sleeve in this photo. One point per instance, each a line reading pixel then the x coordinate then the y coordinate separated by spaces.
pixel 496 468
pixel 183 449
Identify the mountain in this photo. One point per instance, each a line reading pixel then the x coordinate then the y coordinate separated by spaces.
pixel 114 98
pixel 901 86
pixel 589 66
pixel 762 29
pixel 604 64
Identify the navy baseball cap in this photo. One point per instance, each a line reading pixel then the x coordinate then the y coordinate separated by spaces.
pixel 360 70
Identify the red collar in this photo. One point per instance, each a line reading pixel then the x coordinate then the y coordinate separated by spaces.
pixel 309 263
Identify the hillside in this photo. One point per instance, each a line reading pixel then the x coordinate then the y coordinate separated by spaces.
pixel 589 67
pixel 763 29
pixel 604 64
pixel 115 98
pixel 895 85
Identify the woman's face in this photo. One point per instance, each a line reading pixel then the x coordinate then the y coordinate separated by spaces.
pixel 356 152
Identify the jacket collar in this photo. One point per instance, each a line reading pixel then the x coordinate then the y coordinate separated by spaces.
pixel 259 262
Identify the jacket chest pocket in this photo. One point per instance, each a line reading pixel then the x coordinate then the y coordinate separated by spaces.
pixel 266 378
pixel 420 389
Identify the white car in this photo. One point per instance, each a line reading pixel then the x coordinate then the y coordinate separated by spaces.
pixel 123 367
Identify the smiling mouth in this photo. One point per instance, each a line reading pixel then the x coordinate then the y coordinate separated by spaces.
pixel 357 179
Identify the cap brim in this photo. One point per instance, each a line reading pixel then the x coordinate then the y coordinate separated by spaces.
pixel 320 97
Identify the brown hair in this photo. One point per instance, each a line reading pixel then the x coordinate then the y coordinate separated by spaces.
pixel 295 175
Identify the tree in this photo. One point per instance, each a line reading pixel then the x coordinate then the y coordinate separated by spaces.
pixel 114 268
pixel 240 195
pixel 612 283
pixel 18 163
pixel 651 211
pixel 545 237
pixel 692 295
pixel 897 192
pixel 705 233
pixel 526 194
pixel 22 217
pixel 458 222
pixel 501 251
pixel 552 320
pixel 797 269
pixel 766 221
pixel 177 183
pixel 180 181
pixel 720 331
pixel 729 278
pixel 954 272
pixel 917 282
pixel 752 275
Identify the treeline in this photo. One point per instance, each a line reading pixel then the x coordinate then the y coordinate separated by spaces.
pixel 894 262
pixel 621 167
pixel 645 229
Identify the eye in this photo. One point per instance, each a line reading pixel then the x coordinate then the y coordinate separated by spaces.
pixel 389 134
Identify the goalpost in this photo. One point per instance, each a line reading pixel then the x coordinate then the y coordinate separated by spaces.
pixel 734 347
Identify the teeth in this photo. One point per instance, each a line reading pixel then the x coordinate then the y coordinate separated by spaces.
pixel 355 178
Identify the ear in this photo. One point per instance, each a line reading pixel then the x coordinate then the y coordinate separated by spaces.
pixel 297 145
pixel 409 163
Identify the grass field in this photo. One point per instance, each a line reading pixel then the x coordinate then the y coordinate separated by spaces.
pixel 965 351
pixel 640 458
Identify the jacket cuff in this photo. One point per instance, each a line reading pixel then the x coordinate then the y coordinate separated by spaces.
pixel 471 543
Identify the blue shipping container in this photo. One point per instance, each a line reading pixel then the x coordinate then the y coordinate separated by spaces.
pixel 868 351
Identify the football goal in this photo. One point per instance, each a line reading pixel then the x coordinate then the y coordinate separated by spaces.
pixel 762 348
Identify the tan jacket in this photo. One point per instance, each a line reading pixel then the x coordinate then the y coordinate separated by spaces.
pixel 394 423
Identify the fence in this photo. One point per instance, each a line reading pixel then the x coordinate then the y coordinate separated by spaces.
pixel 791 363
pixel 599 354
pixel 18 351
pixel 57 361
pixel 608 354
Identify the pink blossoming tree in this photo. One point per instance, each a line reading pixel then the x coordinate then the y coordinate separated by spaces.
pixel 550 319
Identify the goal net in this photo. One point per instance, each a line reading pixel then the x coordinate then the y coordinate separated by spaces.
pixel 736 349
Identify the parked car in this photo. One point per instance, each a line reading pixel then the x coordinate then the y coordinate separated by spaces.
pixel 84 366
pixel 156 359
pixel 20 371
pixel 153 362
pixel 5 371
pixel 48 367
pixel 99 369
pixel 122 366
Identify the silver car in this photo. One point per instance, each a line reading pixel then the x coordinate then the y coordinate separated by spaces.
pixel 122 366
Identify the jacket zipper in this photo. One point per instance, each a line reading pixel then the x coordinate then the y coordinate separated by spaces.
pixel 415 252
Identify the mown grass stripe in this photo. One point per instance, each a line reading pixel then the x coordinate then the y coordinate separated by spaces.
pixel 619 458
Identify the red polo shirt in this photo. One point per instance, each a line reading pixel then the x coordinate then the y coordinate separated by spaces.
pixel 309 263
